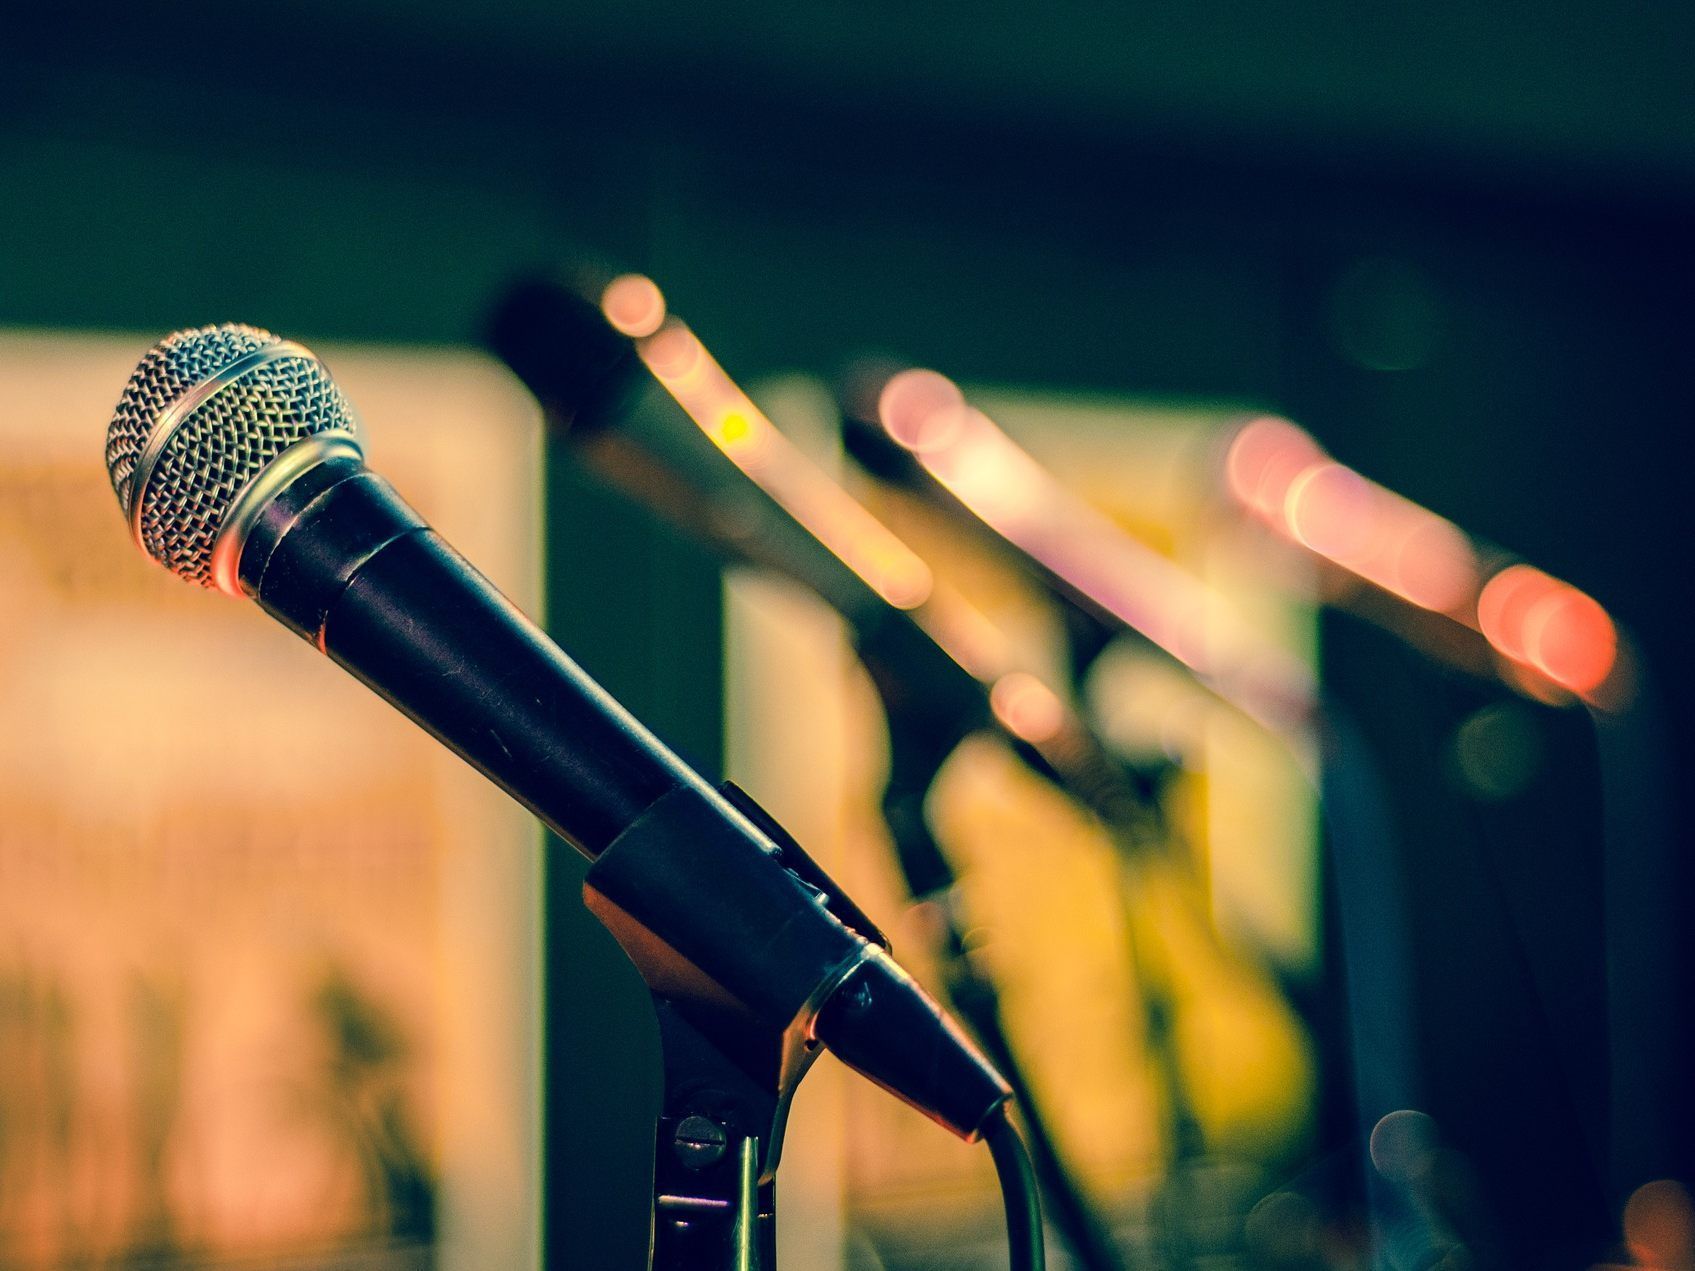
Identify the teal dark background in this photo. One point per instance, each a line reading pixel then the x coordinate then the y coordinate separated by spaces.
pixel 1245 202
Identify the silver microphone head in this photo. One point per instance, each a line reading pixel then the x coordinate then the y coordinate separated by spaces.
pixel 213 423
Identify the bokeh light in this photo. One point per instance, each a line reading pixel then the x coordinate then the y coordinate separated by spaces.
pixel 1028 707
pixel 1263 460
pixel 1659 1226
pixel 922 410
pixel 633 304
pixel 1404 1146
pixel 1381 537
pixel 1549 626
pixel 1005 488
pixel 721 410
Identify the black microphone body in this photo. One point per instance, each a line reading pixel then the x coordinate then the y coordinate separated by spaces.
pixel 722 900
pixel 342 560
pixel 623 422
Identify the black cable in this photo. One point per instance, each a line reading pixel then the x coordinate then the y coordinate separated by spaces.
pixel 1018 1192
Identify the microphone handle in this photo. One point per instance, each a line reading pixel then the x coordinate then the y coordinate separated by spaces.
pixel 342 560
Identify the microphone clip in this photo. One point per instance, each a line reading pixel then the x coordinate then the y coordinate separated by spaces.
pixel 729 1072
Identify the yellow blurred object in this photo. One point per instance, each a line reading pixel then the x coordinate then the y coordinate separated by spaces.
pixel 1077 936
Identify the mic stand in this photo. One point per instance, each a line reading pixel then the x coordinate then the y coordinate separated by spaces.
pixel 974 995
pixel 920 740
pixel 728 1079
pixel 716 1141
pixel 1138 831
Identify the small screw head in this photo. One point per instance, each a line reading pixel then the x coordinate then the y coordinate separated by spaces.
pixel 857 997
pixel 699 1142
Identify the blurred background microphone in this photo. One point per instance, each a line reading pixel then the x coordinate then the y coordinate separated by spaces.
pixel 675 432
pixel 1464 604
pixel 915 427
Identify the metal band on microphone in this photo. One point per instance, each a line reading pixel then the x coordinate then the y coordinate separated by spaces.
pixel 256 495
pixel 173 417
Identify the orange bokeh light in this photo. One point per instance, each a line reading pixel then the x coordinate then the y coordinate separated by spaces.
pixel 1503 603
pixel 1380 536
pixel 1571 639
pixel 1432 564
pixel 1029 708
pixel 633 304
pixel 1280 473
pixel 682 364
pixel 1329 508
pixel 1276 470
pixel 1550 626
pixel 1264 457
pixel 1659 1226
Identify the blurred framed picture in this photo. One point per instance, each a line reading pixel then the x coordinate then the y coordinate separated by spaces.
pixel 268 955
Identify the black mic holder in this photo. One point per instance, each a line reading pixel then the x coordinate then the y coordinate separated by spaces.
pixel 728 1078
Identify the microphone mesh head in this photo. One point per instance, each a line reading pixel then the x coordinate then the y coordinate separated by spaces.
pixel 215 450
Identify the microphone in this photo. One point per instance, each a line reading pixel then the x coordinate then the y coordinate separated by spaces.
pixel 240 466
pixel 914 429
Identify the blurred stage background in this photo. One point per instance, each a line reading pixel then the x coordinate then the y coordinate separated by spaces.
pixel 1451 242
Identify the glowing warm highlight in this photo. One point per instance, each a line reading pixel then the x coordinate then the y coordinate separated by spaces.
pixel 1006 489
pixel 1028 707
pixel 719 408
pixel 674 355
pixel 1278 472
pixel 1265 457
pixel 1503 604
pixel 1659 1225
pixel 1385 539
pixel 681 363
pixel 922 410
pixel 1550 626
pixel 633 304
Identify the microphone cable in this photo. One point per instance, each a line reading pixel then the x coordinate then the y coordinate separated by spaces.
pixel 1018 1194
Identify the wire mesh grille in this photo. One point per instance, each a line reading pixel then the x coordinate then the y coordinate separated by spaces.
pixel 222 445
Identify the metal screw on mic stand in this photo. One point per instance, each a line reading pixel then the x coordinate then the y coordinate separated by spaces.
pixel 856 998
pixel 699 1142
